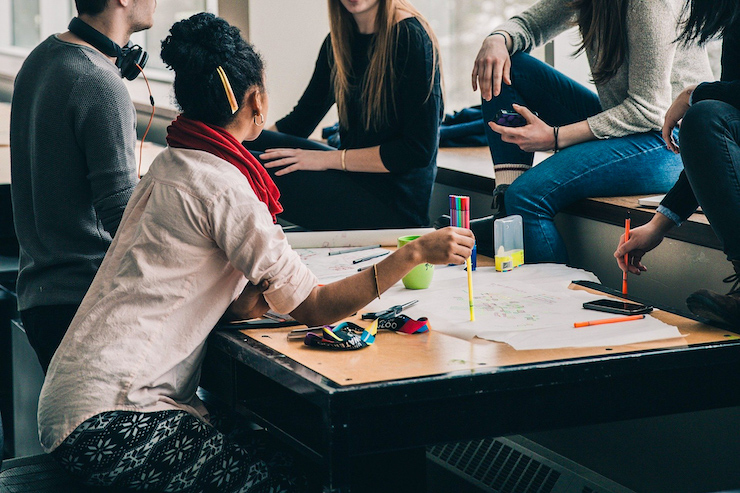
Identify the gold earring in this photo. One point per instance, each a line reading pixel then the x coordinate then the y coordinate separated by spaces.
pixel 262 119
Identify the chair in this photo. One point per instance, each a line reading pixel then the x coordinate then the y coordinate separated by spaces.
pixel 39 474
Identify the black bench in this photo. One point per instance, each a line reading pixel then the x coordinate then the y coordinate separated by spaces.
pixel 39 474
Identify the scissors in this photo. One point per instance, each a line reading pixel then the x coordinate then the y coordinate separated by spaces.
pixel 390 312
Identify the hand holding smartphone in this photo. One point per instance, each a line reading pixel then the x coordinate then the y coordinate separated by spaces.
pixel 617 306
pixel 509 119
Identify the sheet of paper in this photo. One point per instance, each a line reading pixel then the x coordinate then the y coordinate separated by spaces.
pixel 326 239
pixel 330 268
pixel 530 307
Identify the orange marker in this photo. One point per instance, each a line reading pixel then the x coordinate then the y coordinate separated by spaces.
pixel 608 321
pixel 626 255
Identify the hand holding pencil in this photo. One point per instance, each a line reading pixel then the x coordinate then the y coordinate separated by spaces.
pixel 641 240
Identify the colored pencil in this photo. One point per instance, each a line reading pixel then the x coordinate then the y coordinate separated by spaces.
pixel 365 259
pixel 460 217
pixel 626 255
pixel 608 321
pixel 465 206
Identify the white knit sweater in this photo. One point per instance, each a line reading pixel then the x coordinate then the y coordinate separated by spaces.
pixel 656 69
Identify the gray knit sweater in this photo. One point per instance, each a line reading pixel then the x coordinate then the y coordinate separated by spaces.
pixel 73 168
pixel 655 71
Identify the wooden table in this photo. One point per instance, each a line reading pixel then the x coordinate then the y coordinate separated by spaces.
pixel 366 416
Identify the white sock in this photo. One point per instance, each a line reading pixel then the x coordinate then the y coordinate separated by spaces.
pixel 505 174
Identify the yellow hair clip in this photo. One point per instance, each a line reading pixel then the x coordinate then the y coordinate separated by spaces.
pixel 229 91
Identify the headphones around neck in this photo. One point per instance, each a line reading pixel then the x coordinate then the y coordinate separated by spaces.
pixel 127 57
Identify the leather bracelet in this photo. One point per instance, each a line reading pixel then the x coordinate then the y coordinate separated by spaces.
pixel 344 163
pixel 555 131
pixel 377 287
pixel 500 34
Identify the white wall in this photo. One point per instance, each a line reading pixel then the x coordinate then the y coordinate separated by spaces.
pixel 288 34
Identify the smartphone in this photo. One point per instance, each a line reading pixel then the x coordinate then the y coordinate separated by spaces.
pixel 617 306
pixel 509 119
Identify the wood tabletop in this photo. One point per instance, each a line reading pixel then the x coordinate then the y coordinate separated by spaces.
pixel 396 356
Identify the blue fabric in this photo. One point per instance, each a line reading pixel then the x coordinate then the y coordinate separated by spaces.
pixel 557 99
pixel 632 165
pixel 638 164
pixel 464 128
pixel 710 133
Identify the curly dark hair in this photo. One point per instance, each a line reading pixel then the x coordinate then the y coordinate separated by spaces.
pixel 194 49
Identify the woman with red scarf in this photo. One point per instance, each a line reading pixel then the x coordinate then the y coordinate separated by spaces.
pixel 198 238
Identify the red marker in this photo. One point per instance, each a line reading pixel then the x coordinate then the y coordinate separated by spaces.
pixel 608 321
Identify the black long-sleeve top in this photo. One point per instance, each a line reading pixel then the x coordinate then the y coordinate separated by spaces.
pixel 408 142
pixel 680 200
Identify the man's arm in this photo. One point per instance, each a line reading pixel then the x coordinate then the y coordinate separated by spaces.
pixel 105 129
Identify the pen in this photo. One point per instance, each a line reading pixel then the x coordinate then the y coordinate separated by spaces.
pixel 364 268
pixel 626 255
pixel 608 321
pixel 356 249
pixel 363 259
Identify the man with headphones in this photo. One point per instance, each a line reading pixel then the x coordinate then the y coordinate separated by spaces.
pixel 73 165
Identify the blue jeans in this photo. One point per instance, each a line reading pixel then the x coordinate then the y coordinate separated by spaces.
pixel 632 165
pixel 710 133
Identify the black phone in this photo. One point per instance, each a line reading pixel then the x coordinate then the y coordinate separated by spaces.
pixel 617 306
pixel 509 119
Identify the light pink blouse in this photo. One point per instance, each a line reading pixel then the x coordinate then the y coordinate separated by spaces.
pixel 192 235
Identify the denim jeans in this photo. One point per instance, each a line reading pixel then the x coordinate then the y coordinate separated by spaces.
pixel 632 165
pixel 710 132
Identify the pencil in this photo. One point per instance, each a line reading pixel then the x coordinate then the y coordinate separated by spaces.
pixel 365 259
pixel 355 249
pixel 608 321
pixel 465 205
pixel 469 268
pixel 626 255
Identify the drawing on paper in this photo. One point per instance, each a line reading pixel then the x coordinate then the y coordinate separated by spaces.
pixel 508 304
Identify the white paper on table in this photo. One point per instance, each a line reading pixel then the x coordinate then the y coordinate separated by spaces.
pixel 614 334
pixel 530 307
pixel 330 268
pixel 327 239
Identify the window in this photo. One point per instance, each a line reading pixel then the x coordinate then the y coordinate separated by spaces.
pixel 461 26
pixel 25 23
pixel 168 12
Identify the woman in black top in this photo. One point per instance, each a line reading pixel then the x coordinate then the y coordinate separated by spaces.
pixel 387 89
pixel 710 149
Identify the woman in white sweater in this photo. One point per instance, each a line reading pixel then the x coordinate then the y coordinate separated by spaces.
pixel 610 143
pixel 118 407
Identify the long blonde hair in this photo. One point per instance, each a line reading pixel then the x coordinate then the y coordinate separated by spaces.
pixel 378 86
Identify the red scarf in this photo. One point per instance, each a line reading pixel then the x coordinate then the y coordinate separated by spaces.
pixel 185 133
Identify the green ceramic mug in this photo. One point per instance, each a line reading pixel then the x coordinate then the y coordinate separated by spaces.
pixel 420 277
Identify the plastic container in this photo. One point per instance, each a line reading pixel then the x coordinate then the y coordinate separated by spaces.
pixel 508 243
